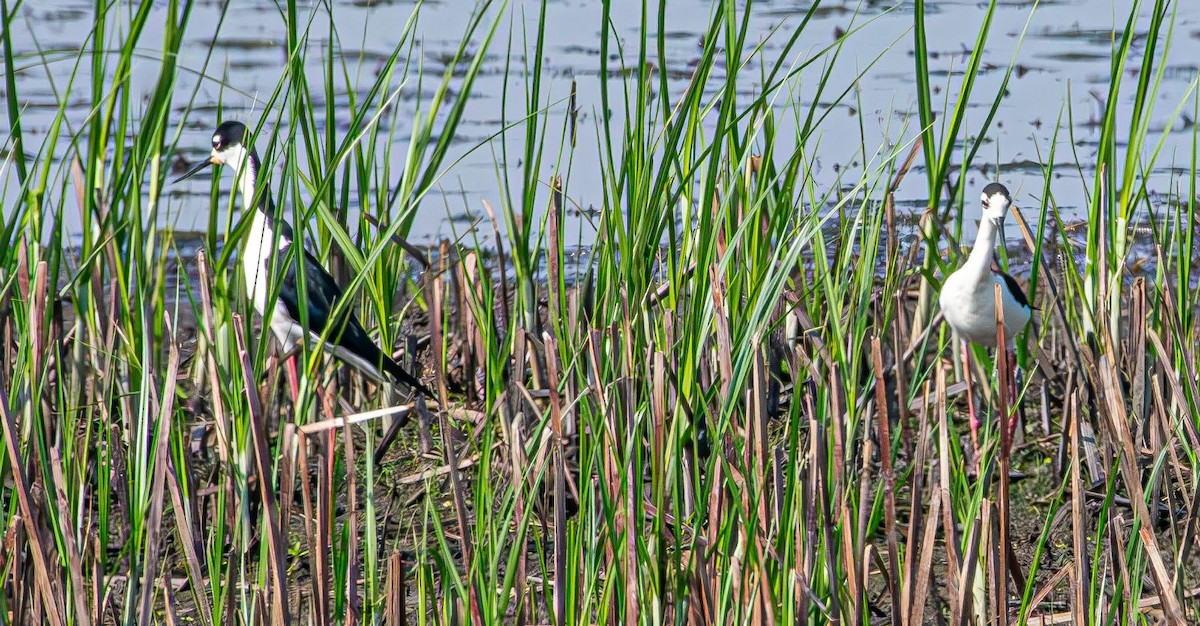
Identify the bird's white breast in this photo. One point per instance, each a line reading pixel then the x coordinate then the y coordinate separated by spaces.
pixel 969 307
pixel 261 246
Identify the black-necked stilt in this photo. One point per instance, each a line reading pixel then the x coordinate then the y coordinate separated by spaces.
pixel 270 236
pixel 968 297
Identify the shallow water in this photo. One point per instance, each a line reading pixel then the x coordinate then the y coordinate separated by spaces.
pixel 1068 44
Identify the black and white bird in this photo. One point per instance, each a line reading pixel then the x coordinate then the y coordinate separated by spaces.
pixel 968 296
pixel 264 250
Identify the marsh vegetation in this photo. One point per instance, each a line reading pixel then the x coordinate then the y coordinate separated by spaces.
pixel 712 389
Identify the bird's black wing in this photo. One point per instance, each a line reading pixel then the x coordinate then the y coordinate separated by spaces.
pixel 323 295
pixel 1015 288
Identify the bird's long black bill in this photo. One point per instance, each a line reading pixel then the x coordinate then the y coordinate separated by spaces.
pixel 200 167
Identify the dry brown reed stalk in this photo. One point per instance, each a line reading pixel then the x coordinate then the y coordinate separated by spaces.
pixel 277 568
pixel 888 478
pixel 502 266
pixel 513 429
pixel 1082 567
pixel 396 611
pixel 909 581
pixel 474 352
pixel 758 444
pixel 311 524
pixel 436 291
pixel 1005 424
pixel 352 549
pixel 952 538
pixel 169 603
pixel 45 595
pixel 186 525
pixel 622 423
pixel 45 345
pixel 78 595
pixel 559 476
pixel 207 331
pixel 288 469
pixel 922 583
pixel 29 487
pixel 326 512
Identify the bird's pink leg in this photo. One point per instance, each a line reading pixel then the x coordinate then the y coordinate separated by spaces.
pixel 293 377
pixel 1010 363
pixel 975 423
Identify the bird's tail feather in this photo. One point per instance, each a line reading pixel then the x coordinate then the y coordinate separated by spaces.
pixel 393 368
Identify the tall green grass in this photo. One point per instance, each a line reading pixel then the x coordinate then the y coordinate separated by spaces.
pixel 735 409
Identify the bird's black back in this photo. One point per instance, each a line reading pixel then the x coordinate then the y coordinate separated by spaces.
pixel 1015 288
pixel 323 295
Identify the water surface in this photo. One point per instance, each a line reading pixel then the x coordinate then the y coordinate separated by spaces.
pixel 1063 63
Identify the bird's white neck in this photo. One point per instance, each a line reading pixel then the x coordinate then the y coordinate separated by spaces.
pixel 262 241
pixel 980 261
pixel 247 177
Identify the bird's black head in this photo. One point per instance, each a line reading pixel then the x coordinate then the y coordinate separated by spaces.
pixel 993 189
pixel 996 201
pixel 228 148
pixel 229 134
